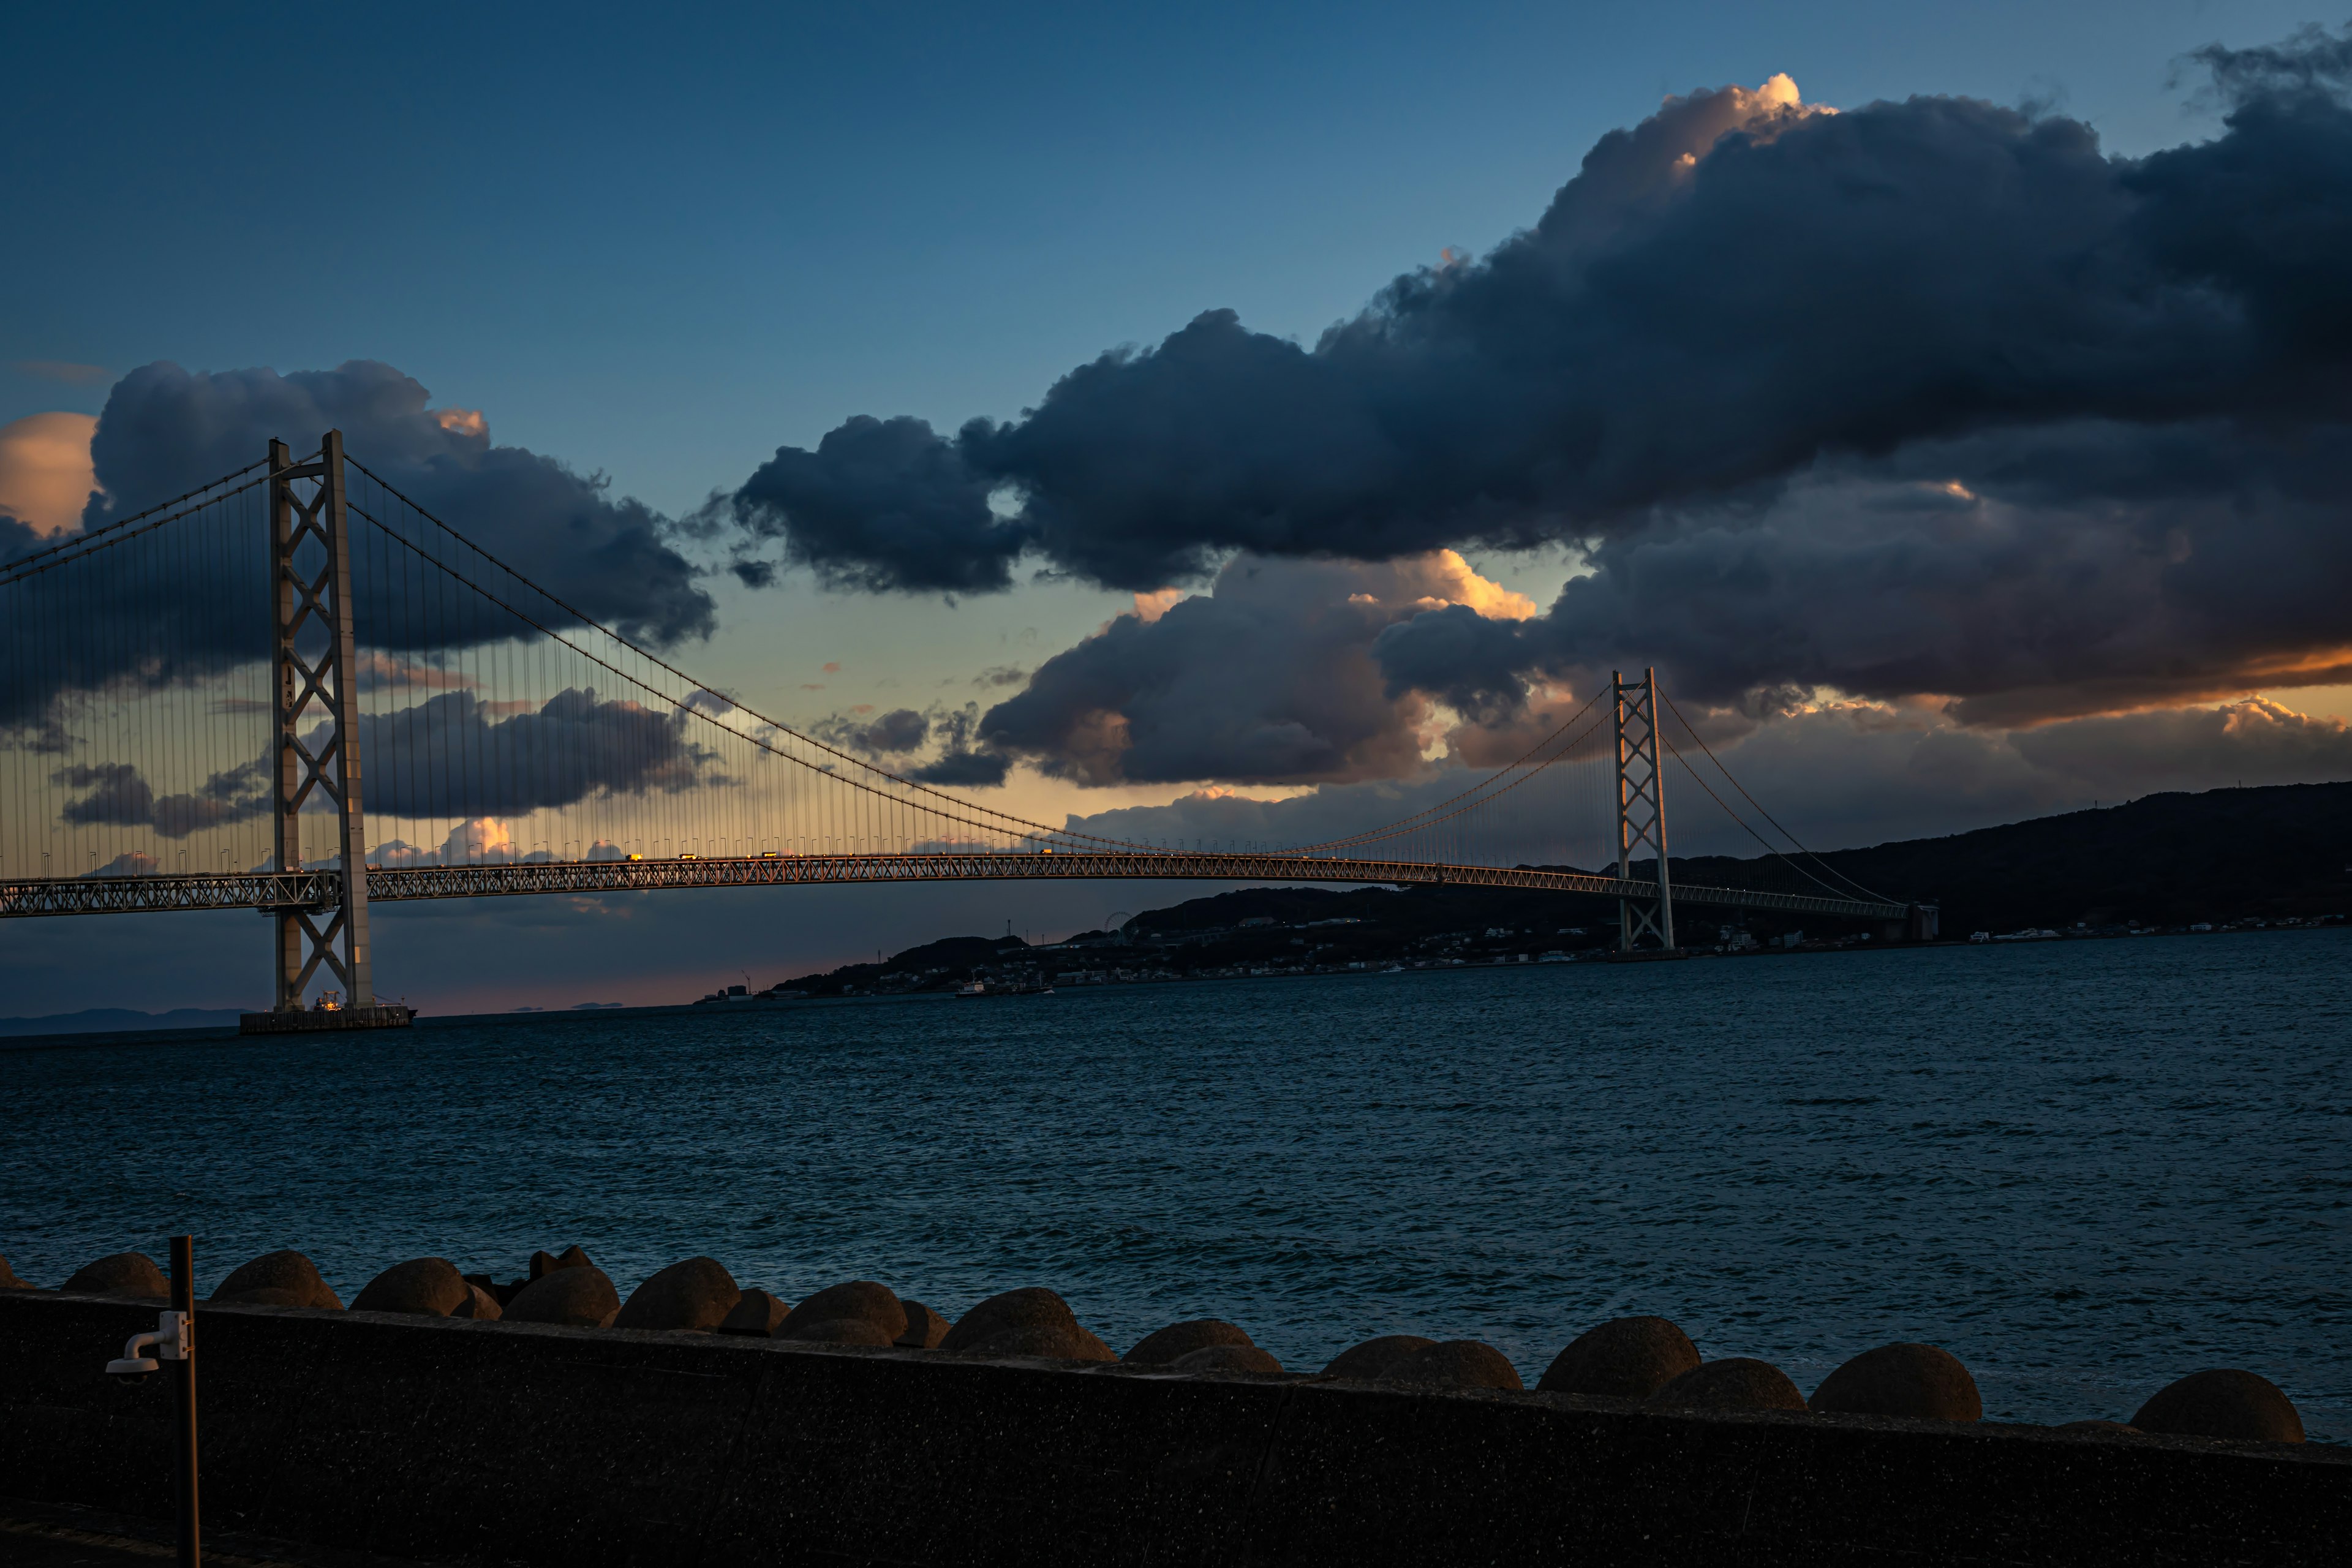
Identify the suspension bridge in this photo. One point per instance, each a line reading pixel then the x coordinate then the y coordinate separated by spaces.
pixel 296 691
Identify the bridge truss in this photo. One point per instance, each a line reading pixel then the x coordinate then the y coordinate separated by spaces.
pixel 324 889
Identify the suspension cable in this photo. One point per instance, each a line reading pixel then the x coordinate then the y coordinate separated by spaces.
pixel 1751 833
pixel 1414 823
pixel 656 659
pixel 1752 800
pixel 88 544
pixel 689 706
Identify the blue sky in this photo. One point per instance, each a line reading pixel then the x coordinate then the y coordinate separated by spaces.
pixel 660 245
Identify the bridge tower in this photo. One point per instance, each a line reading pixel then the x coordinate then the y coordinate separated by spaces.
pixel 313 665
pixel 1641 809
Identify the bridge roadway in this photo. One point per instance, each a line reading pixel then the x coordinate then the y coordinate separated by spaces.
pixel 322 889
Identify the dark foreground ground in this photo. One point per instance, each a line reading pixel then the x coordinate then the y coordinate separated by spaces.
pixel 443 1441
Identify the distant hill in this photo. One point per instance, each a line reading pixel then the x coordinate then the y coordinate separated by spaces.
pixel 2164 860
pixel 111 1020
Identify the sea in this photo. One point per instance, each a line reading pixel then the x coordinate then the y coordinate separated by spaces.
pixel 2085 1168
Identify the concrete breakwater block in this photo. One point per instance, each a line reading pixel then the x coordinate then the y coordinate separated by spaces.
pixel 695 1294
pixel 1907 1379
pixel 500 1294
pixel 2224 1403
pixel 1227 1358
pixel 417 1438
pixel 292 1278
pixel 581 1297
pixel 1625 1358
pixel 1165 1347
pixel 857 1312
pixel 429 1286
pixel 131 1274
pixel 756 1314
pixel 1031 1320
pixel 841 1331
pixel 545 1263
pixel 1371 1361
pixel 1457 1363
pixel 1736 1383
pixel 925 1328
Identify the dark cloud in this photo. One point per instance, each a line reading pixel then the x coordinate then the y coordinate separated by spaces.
pixel 2092 568
pixel 2255 741
pixel 18 538
pixel 960 761
pixel 900 730
pixel 1837 777
pixel 1267 679
pixel 452 755
pixel 1724 296
pixel 165 429
pixel 964 760
pixel 119 796
pixel 131 616
pixel 2309 63
pixel 965 768
pixel 139 617
pixel 884 503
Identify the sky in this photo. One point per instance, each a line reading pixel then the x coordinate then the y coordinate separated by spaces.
pixel 688 252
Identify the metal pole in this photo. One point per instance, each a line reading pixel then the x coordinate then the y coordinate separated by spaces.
pixel 183 1396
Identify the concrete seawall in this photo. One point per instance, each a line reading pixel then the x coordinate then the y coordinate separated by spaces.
pixel 449 1440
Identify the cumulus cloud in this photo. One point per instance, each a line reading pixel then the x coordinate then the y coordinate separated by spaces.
pixel 882 503
pixel 893 740
pixel 1838 775
pixel 2015 596
pixel 165 430
pixel 1850 773
pixel 1266 679
pixel 121 796
pixel 2253 741
pixel 480 841
pixel 453 754
pixel 1720 298
pixel 1928 398
pixel 894 733
pixel 46 477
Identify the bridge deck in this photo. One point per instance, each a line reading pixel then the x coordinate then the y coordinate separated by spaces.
pixel 322 888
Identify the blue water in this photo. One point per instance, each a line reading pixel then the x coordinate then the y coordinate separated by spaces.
pixel 2085 1168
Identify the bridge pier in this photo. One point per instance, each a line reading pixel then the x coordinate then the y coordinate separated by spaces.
pixel 1641 810
pixel 314 660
